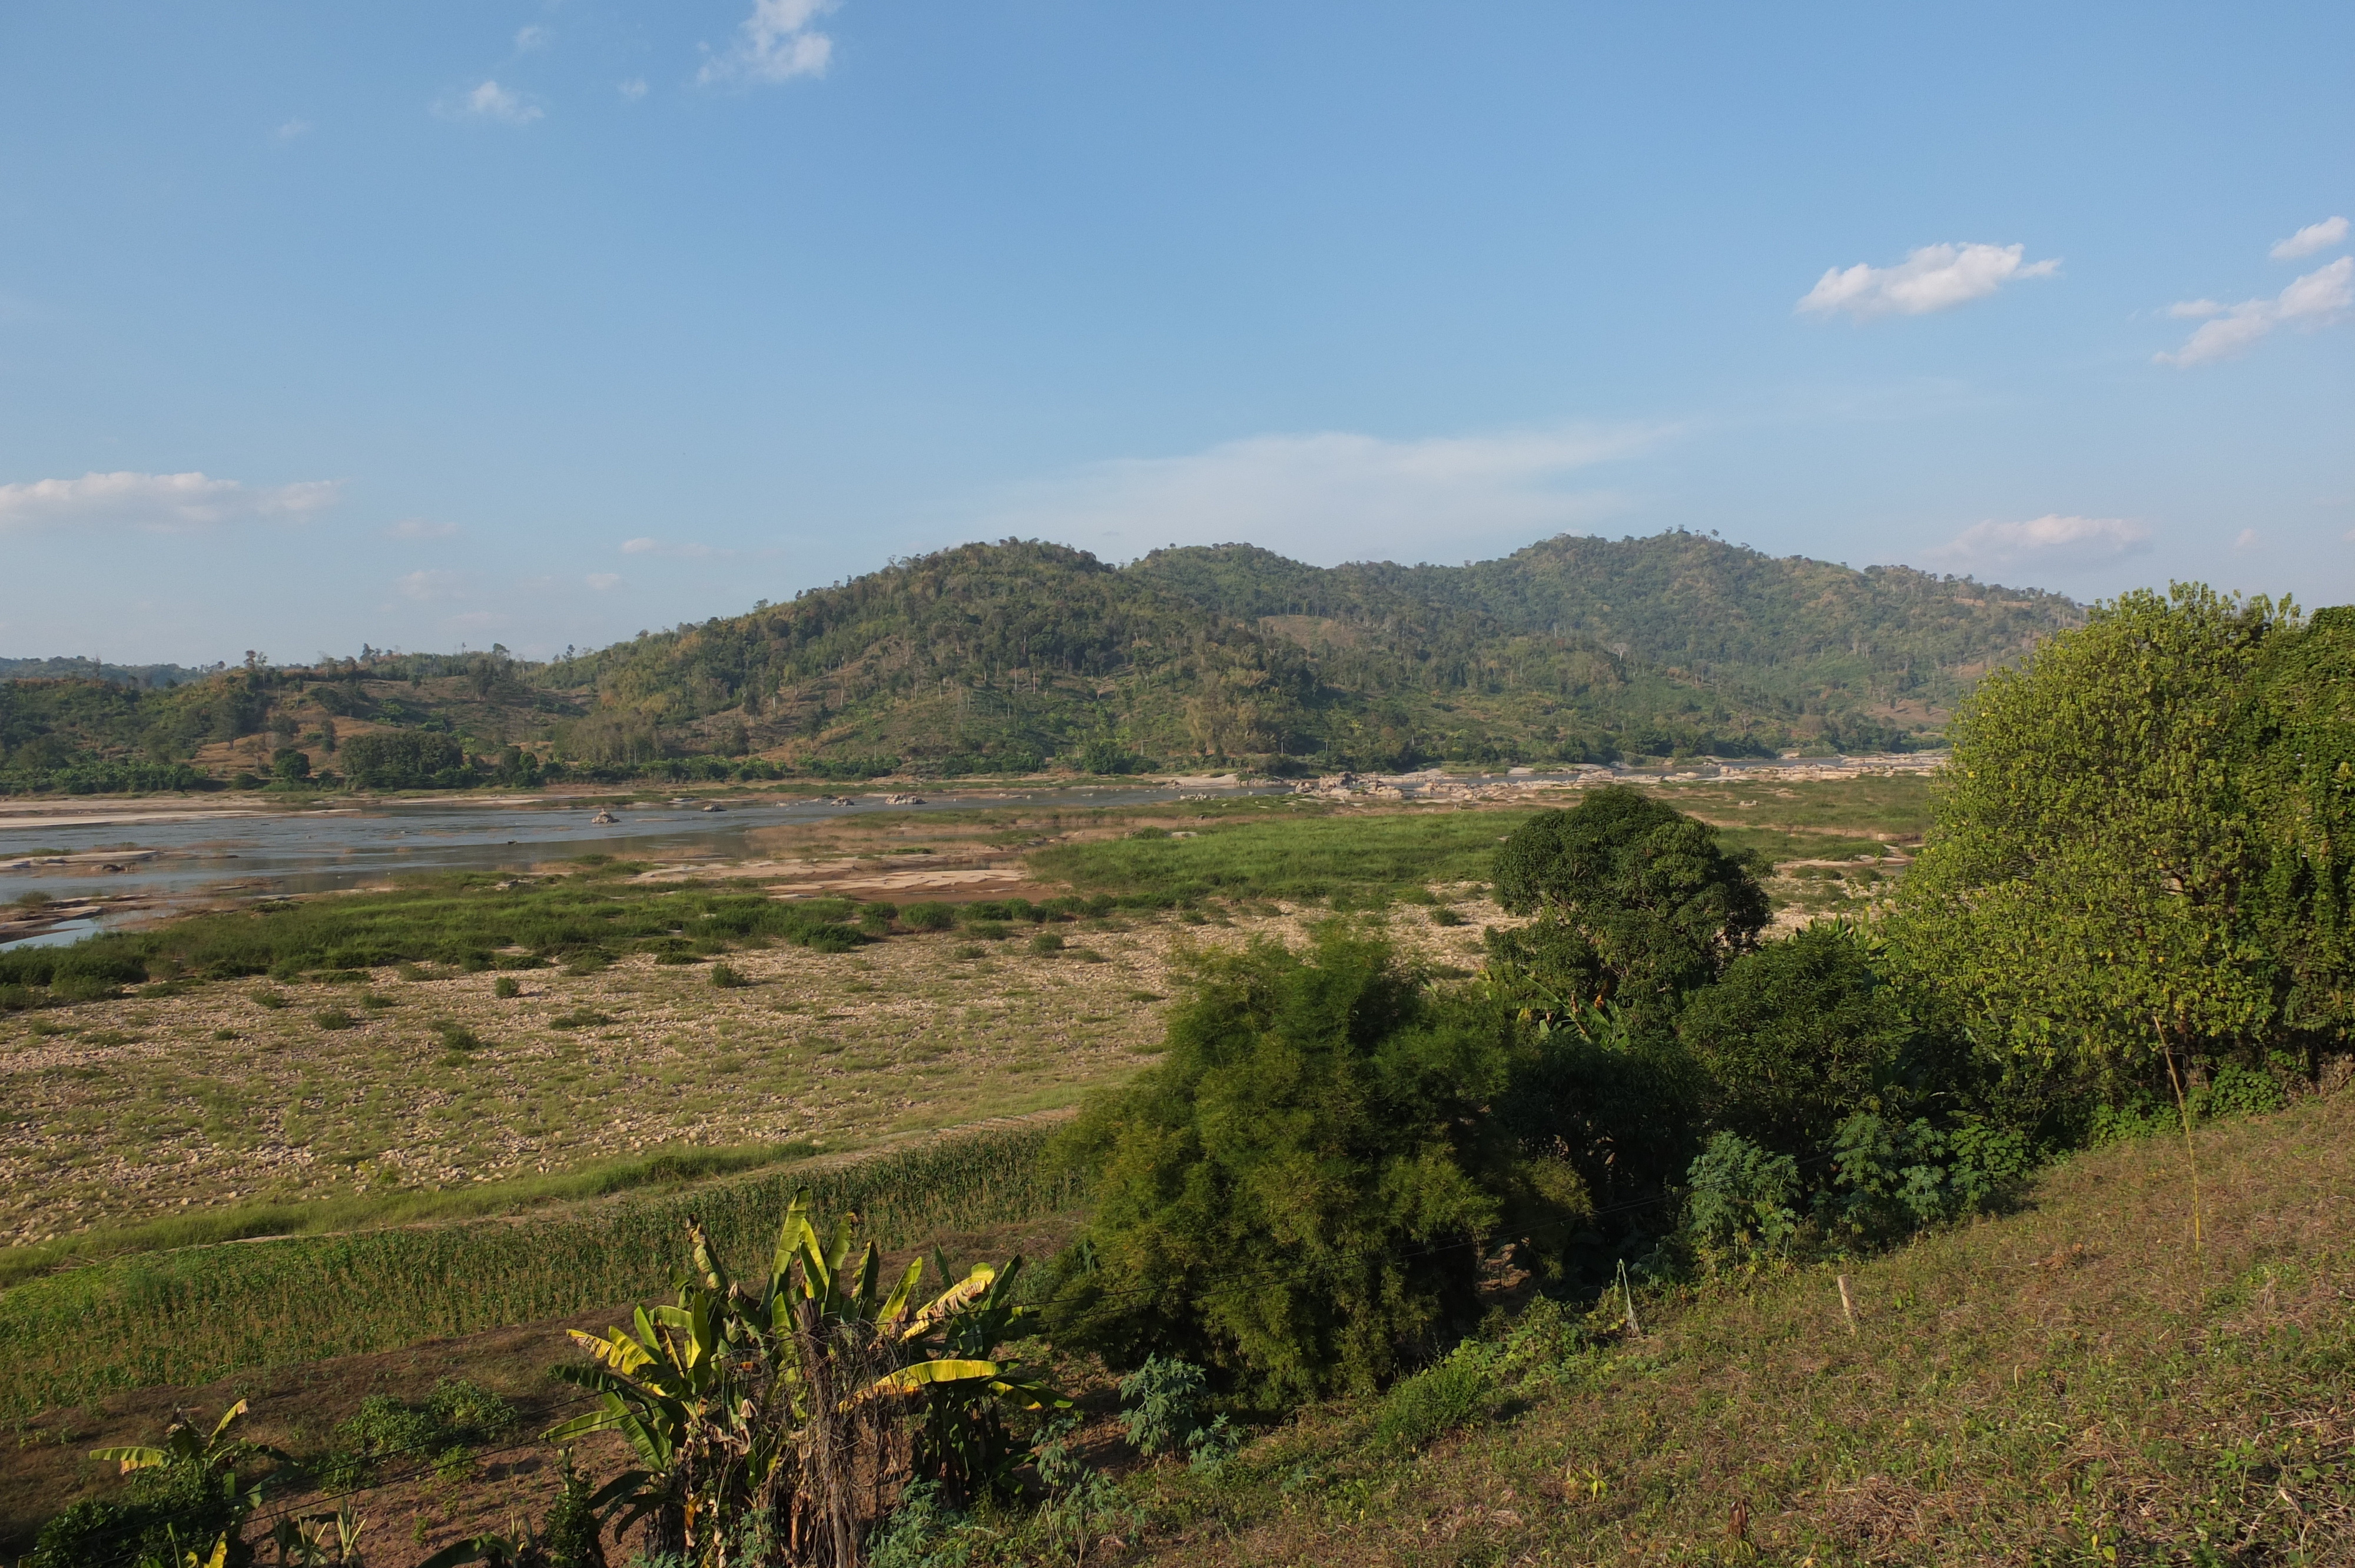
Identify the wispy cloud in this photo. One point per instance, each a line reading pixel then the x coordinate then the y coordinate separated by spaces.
pixel 2314 236
pixel 490 102
pixel 422 528
pixel 157 501
pixel 293 130
pixel 682 548
pixel 1933 277
pixel 601 581
pixel 2313 302
pixel 1333 496
pixel 2246 539
pixel 632 89
pixel 429 585
pixel 530 39
pixel 775 43
pixel 2051 541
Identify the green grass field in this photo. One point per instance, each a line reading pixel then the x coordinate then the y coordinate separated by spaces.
pixel 1297 856
pixel 191 1316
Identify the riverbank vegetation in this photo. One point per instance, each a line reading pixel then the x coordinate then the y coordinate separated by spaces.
pixel 2015 1216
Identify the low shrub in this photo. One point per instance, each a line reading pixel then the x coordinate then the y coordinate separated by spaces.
pixel 1046 943
pixel 333 1018
pixel 1438 1399
pixel 1890 1180
pixel 156 1516
pixel 727 977
pixel 2240 1091
pixel 928 917
pixel 506 987
pixel 456 1418
pixel 456 1037
pixel 579 1018
pixel 1169 1412
pixel 1743 1201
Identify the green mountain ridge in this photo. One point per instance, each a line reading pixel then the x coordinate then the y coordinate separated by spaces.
pixel 1014 656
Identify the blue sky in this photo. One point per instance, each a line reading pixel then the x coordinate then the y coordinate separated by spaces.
pixel 543 323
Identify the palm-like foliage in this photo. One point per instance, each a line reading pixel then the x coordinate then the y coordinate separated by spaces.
pixel 768 1418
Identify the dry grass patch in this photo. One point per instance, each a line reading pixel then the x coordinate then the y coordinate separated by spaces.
pixel 233 1093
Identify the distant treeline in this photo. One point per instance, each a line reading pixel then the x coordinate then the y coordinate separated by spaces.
pixel 1017 656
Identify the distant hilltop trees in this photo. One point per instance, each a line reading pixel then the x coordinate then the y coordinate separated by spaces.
pixel 1021 655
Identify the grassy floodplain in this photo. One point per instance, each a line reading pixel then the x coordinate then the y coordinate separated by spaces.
pixel 351 1057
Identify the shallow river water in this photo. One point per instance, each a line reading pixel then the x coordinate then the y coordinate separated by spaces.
pixel 318 852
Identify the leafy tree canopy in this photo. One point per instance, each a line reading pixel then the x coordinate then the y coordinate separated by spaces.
pixel 1804 1032
pixel 1300 1195
pixel 1662 905
pixel 2137 848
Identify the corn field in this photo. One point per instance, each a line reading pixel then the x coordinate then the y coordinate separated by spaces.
pixel 193 1315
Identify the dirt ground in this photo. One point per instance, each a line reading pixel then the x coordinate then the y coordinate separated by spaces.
pixel 234 1092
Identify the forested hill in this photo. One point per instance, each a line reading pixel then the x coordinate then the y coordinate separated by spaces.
pixel 1575 648
pixel 1784 624
pixel 1009 657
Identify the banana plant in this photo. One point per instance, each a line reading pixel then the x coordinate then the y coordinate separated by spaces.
pixel 186 1443
pixel 963 1440
pixel 759 1401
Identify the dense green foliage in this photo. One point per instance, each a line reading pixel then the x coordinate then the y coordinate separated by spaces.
pixel 404 761
pixel 1299 1195
pixel 1632 897
pixel 1010 657
pixel 1804 1032
pixel 2140 861
pixel 584 918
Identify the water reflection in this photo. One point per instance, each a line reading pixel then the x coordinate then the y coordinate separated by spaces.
pixel 320 851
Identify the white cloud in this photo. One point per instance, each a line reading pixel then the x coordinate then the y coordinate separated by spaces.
pixel 2246 539
pixel 292 130
pixel 528 39
pixel 426 586
pixel 2311 302
pixel 2314 236
pixel 600 581
pixel 2048 541
pixel 665 547
pixel 1933 277
pixel 491 102
pixel 422 528
pixel 160 501
pixel 632 89
pixel 775 43
pixel 1335 496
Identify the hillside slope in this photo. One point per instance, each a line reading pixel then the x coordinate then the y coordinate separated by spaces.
pixel 1573 649
pixel 1008 657
pixel 2071 1383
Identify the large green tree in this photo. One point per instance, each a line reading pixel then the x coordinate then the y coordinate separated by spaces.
pixel 1301 1193
pixel 1806 1031
pixel 1632 898
pixel 2124 848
